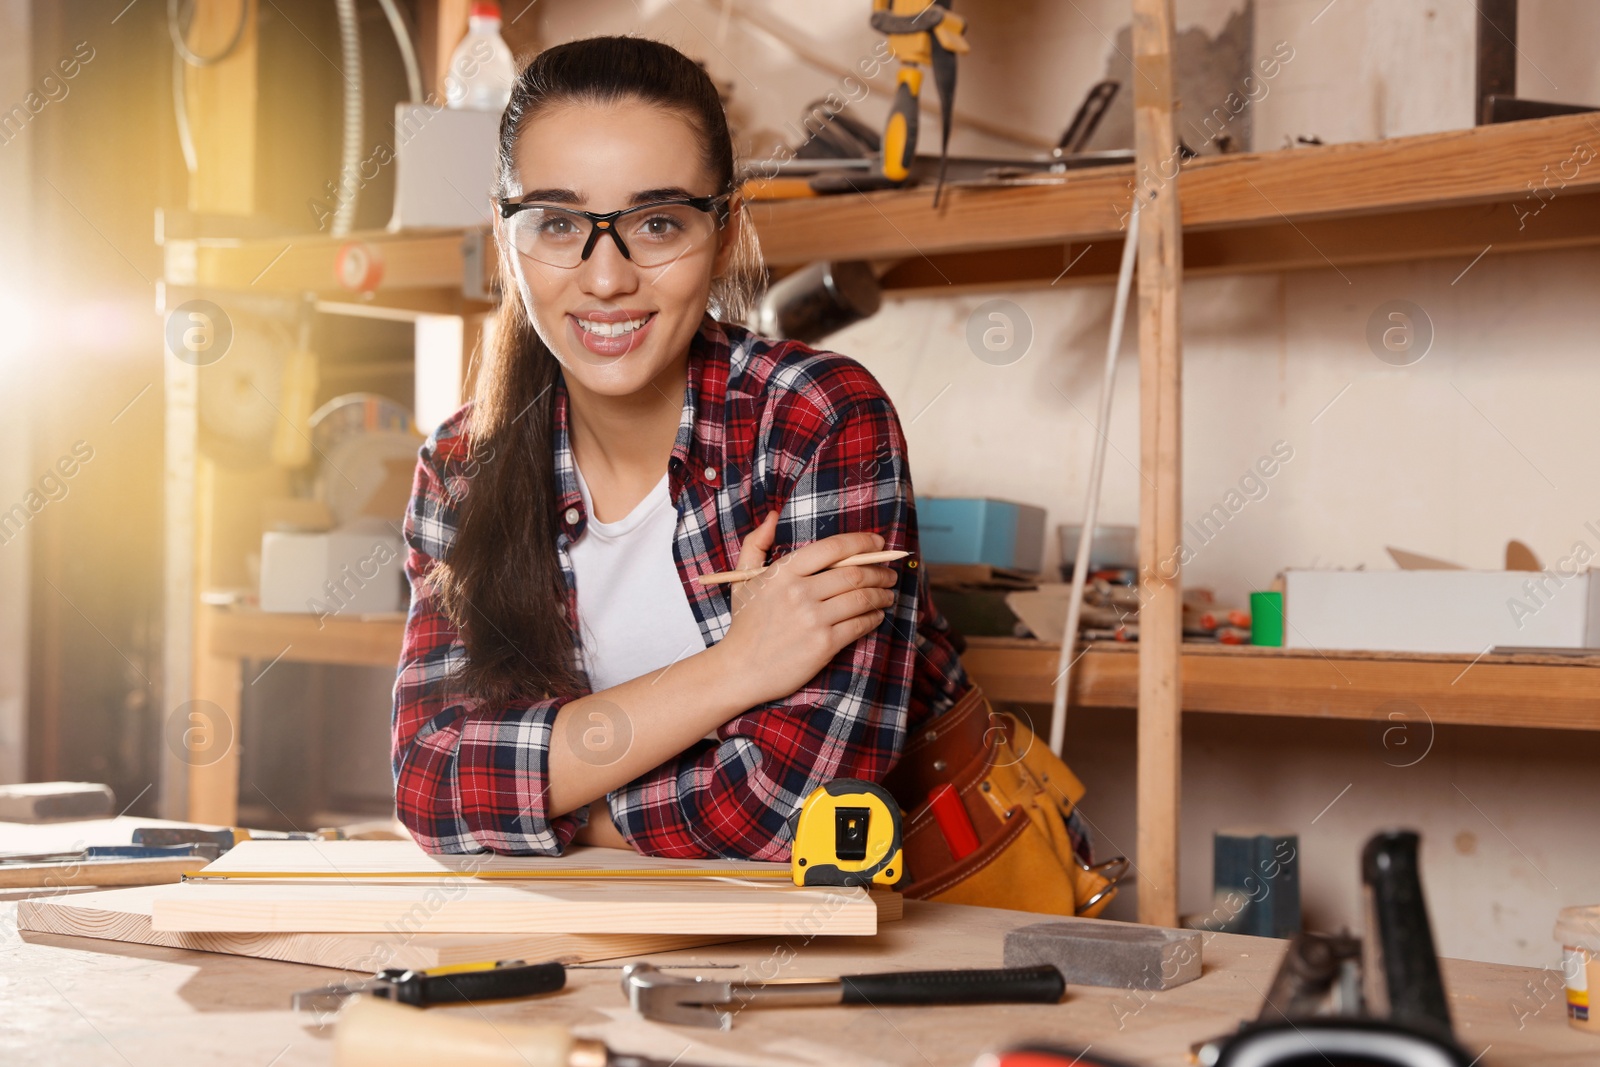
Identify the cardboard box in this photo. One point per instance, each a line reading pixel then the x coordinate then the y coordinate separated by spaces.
pixel 1458 611
pixel 979 530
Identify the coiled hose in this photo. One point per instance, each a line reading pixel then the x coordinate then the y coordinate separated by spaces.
pixel 350 158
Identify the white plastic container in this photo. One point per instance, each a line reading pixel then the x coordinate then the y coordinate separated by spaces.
pixel 482 71
pixel 356 570
pixel 1578 930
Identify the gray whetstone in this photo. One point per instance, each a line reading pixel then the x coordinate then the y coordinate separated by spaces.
pixel 1100 952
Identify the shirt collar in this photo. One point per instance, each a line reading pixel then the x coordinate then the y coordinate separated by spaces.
pixel 697 450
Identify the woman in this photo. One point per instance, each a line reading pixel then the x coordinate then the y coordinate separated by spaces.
pixel 565 676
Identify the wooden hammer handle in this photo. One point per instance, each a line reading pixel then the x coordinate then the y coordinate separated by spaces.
pixel 371 1032
pixel 97 872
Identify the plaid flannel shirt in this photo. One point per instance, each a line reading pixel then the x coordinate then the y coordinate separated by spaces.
pixel 765 424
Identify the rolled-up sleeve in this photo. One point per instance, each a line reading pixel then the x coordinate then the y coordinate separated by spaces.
pixel 840 474
pixel 469 775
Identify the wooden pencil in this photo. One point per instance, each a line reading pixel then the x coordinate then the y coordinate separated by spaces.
pixel 861 559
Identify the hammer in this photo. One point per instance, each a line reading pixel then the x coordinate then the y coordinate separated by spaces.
pixel 671 998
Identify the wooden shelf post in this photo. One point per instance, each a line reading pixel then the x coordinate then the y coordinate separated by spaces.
pixel 221 102
pixel 1160 493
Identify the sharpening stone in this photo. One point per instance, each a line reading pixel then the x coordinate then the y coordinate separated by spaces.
pixel 1100 952
pixel 47 801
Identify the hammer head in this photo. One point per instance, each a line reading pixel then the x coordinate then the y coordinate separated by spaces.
pixel 671 998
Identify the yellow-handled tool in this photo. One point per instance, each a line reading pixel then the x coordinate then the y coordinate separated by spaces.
pixel 921 33
pixel 461 983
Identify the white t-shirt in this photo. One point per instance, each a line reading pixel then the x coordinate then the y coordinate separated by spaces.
pixel 633 614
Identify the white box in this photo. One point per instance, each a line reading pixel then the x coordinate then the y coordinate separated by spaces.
pixel 352 571
pixel 1440 610
pixel 444 166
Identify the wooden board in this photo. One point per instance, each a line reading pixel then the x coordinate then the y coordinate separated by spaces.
pixel 1522 690
pixel 367 901
pixel 632 907
pixel 124 915
pixel 365 858
pixel 1160 466
pixel 252 634
pixel 1235 193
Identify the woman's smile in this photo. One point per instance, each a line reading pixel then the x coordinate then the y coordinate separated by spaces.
pixel 612 333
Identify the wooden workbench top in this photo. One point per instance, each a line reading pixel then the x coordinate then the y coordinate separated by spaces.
pixel 83 1001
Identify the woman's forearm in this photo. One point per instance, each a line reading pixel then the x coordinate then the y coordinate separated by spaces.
pixel 607 739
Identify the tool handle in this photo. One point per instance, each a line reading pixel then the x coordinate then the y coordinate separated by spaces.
pixel 1010 985
pixel 95 872
pixel 494 983
pixel 953 820
pixel 1402 938
pixel 376 1033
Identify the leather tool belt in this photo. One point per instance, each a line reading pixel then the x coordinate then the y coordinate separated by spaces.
pixel 1033 852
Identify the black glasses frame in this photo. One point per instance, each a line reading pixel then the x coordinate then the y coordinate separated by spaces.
pixel 605 222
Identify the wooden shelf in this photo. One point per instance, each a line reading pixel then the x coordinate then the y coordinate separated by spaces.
pixel 240 633
pixel 1401 198
pixel 413 272
pixel 1440 194
pixel 1523 690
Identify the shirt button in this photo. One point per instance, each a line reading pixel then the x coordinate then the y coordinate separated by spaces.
pixel 711 474
pixel 571 516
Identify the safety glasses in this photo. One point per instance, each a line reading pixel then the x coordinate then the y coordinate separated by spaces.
pixel 651 235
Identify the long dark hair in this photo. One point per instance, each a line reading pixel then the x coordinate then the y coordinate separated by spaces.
pixel 501 582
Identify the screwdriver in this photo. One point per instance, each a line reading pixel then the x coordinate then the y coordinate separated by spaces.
pixel 456 984
pixel 378 1033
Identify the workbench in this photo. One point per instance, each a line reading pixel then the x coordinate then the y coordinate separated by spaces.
pixel 75 1001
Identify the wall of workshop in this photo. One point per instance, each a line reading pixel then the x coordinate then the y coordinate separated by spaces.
pixel 1489 437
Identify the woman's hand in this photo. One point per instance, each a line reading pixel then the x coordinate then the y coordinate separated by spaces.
pixel 794 617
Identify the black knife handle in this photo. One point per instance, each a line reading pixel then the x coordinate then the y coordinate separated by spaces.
pixel 1010 985
pixel 496 983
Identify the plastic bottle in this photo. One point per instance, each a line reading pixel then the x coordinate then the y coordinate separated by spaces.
pixel 481 69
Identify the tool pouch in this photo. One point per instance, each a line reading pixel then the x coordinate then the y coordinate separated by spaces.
pixel 1034 852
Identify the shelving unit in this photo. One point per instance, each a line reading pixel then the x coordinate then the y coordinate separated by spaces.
pixel 1458 193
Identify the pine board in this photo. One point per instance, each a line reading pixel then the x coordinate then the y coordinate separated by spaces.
pixel 725 907
pixel 383 857
pixel 633 907
pixel 124 915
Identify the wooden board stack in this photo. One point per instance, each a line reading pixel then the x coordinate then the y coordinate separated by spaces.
pixel 350 915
